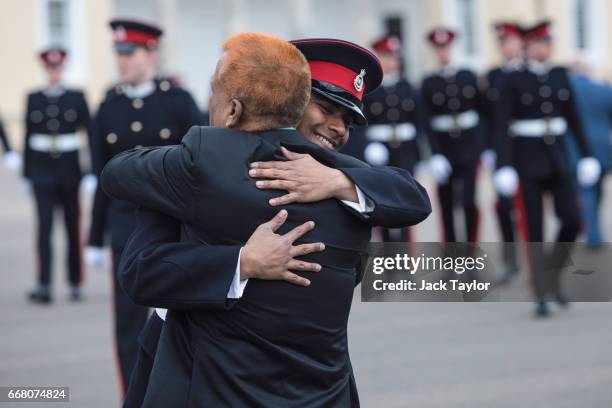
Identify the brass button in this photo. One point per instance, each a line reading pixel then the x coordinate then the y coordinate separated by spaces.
pixel 164 85
pixel 137 103
pixel 52 111
pixel 36 116
pixel 53 125
pixel 165 133
pixel 70 115
pixel 136 126
pixel 111 138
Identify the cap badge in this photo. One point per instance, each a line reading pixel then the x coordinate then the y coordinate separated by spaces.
pixel 119 34
pixel 358 82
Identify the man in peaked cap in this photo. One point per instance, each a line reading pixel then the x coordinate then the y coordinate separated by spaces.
pixel 510 45
pixel 538 108
pixel 393 127
pixel 335 104
pixel 142 110
pixel 51 167
pixel 451 105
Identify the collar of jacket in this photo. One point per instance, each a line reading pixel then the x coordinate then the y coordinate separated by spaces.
pixel 139 91
pixel 512 65
pixel 53 91
pixel 538 68
pixel 448 70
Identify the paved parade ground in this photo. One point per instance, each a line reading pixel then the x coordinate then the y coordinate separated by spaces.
pixel 426 355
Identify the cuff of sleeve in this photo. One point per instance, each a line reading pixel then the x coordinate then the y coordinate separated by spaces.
pixel 237 286
pixel 364 206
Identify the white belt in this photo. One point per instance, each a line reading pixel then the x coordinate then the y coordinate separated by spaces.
pixel 65 142
pixel 538 127
pixel 461 121
pixel 402 132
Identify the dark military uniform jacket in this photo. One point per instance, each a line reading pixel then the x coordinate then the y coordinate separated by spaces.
pixel 535 99
pixel 493 85
pixel 159 115
pixel 392 112
pixel 51 149
pixel 452 109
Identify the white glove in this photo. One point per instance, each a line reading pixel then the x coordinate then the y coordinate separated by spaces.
pixel 12 161
pixel 96 257
pixel 588 171
pixel 506 181
pixel 25 186
pixel 488 158
pixel 88 185
pixel 376 154
pixel 440 168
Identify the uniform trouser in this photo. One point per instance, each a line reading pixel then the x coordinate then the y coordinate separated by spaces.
pixel 130 318
pixel 504 208
pixel 396 235
pixel 591 198
pixel 147 347
pixel 461 184
pixel 47 198
pixel 546 265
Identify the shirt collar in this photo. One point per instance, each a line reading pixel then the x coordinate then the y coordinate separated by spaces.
pixel 139 91
pixel 537 67
pixel 53 91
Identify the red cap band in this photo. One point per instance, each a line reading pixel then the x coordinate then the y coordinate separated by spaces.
pixel 337 75
pixel 134 37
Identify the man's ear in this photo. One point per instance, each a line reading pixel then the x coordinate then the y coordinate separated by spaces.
pixel 235 114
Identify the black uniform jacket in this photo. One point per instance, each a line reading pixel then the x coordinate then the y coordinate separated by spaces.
pixel 529 95
pixel 122 123
pixel 280 345
pixel 453 95
pixel 53 116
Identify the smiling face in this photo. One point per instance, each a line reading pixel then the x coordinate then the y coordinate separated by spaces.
pixel 325 123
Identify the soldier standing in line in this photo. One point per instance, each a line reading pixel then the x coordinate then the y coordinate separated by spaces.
pixel 54 114
pixel 451 104
pixel 538 108
pixel 142 110
pixel 510 46
pixel 391 134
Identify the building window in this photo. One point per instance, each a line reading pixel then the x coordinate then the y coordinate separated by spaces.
pixel 468 25
pixel 582 20
pixel 57 22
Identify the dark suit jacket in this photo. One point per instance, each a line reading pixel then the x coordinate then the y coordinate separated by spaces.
pixel 158 270
pixel 276 346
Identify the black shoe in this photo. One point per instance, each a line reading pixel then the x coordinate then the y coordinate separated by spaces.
pixel 561 300
pixel 510 272
pixel 75 294
pixel 541 309
pixel 40 295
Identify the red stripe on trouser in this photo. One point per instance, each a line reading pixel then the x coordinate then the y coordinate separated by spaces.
pixel 521 221
pixel 441 229
pixel 122 389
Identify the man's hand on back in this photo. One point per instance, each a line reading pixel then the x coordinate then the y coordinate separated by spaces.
pixel 268 255
pixel 305 180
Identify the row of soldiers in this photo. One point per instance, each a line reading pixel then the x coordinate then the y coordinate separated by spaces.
pixel 462 120
pixel 516 120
